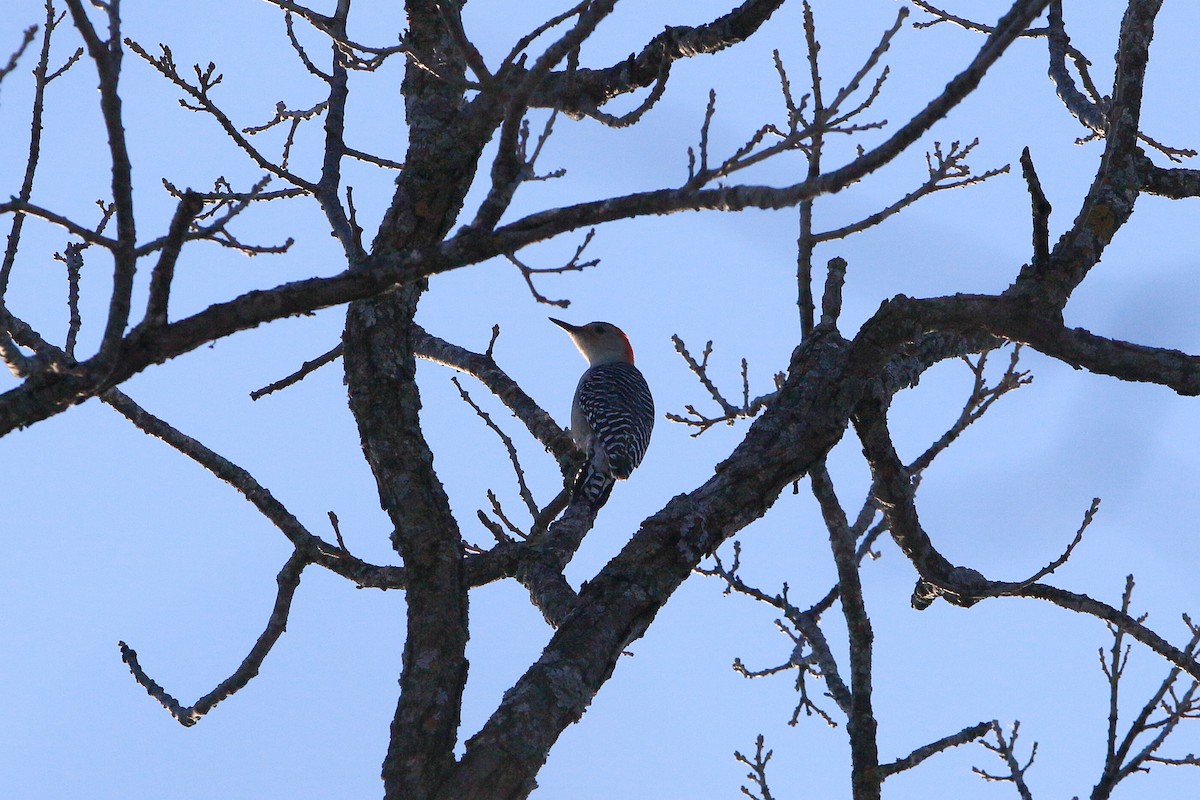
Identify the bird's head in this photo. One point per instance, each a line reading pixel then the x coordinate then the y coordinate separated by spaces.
pixel 600 342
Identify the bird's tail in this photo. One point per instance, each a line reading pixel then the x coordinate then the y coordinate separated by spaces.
pixel 592 486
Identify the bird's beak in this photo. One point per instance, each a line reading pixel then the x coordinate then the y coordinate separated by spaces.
pixel 566 326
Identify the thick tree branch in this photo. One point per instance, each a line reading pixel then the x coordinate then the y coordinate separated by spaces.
pixel 1089 114
pixel 616 606
pixel 483 367
pixel 29 404
pixel 586 90
pixel 1110 200
pixel 933 748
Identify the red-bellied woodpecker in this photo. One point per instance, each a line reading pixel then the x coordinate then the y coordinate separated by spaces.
pixel 612 414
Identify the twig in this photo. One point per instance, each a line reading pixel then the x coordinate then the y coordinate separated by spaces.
pixel 26 40
pixel 107 56
pixel 306 368
pixel 830 119
pixel 528 174
pixel 861 725
pixel 490 351
pixel 294 118
pixel 805 241
pixel 328 26
pixel 1066 554
pixel 496 530
pixel 1132 753
pixel 980 399
pixel 498 510
pixel 758 770
pixel 288 580
pixel 337 531
pixel 315 549
pixel 73 259
pixel 1090 113
pixel 207 79
pixel 42 79
pixel 522 487
pixel 452 17
pixel 947 170
pixel 574 265
pixel 819 661
pixel 299 48
pixel 962 22
pixel 729 412
pixel 533 35
pixel 484 369
pixel 371 158
pixel 510 167
pixel 1005 749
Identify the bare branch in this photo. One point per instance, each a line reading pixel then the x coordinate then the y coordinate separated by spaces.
pixel 1158 718
pixel 164 271
pixel 758 770
pixel 1005 749
pixel 73 259
pixel 330 27
pixel 1089 113
pixel 294 118
pixel 595 87
pixel 946 171
pixel 305 370
pixel 1041 212
pixel 574 265
pixel 634 116
pixel 831 300
pixel 41 81
pixel 933 748
pixel 522 487
pixel 451 15
pixel 199 91
pixel 314 549
pixel 1088 516
pixel 288 580
pixel 484 368
pixel 730 412
pixel 980 399
pixel 300 51
pixel 866 774
pixel 107 56
pixel 26 40
pixel 370 158
pixel 819 661
pixel 83 232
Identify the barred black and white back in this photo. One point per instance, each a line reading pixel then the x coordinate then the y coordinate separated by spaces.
pixel 612 421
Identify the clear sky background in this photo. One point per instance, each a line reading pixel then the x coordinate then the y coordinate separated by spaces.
pixel 110 535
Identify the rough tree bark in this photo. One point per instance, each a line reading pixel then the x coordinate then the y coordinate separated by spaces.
pixel 835 384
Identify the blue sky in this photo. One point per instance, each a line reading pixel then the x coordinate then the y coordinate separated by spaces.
pixel 113 536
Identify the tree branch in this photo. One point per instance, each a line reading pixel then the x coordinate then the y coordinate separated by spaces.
pixel 288 580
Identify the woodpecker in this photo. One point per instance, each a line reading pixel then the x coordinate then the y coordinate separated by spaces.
pixel 612 414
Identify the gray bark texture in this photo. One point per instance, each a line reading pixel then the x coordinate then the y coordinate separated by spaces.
pixel 835 385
